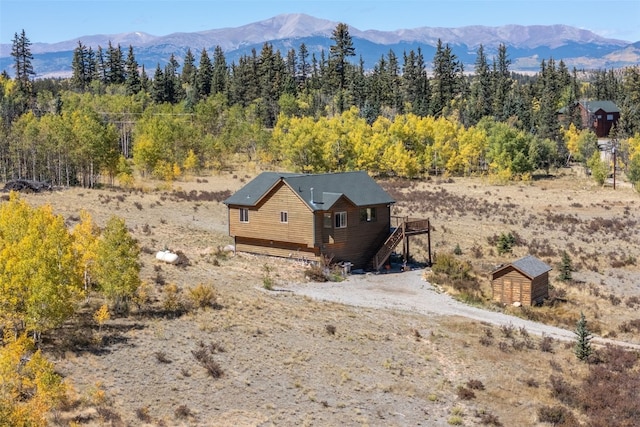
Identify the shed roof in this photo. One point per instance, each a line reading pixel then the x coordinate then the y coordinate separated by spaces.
pixel 530 266
pixel 318 191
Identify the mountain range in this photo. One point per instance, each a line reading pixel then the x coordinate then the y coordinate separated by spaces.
pixel 526 46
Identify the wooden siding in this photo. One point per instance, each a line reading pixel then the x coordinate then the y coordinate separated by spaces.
pixel 264 219
pixel 301 236
pixel 509 286
pixel 276 248
pixel 359 241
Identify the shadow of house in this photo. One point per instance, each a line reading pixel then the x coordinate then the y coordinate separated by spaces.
pixel 525 281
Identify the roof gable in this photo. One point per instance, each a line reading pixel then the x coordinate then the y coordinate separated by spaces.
pixel 318 191
pixel 530 266
pixel 606 106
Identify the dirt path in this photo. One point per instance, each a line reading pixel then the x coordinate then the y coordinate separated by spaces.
pixel 408 291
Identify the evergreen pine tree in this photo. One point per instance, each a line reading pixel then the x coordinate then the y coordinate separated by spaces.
pixel 158 86
pixel 501 84
pixel 565 267
pixel 21 53
pixel 80 77
pixel 480 101
pixel 133 82
pixel 204 74
pixel 304 68
pixel 219 73
pixel 582 347
pixel 188 76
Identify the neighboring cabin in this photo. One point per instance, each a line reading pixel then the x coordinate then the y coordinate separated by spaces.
pixel 525 281
pixel 599 116
pixel 344 216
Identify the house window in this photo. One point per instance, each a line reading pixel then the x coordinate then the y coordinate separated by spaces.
pixel 327 220
pixel 244 215
pixel 610 117
pixel 284 216
pixel 367 214
pixel 341 220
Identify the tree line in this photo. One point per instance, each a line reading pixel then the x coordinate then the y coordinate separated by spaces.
pixel 111 118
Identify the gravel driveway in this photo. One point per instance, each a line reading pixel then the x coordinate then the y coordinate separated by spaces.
pixel 408 291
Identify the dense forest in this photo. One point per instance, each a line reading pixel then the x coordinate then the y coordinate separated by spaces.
pixel 404 116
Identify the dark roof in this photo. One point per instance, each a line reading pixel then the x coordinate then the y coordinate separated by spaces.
pixel 531 266
pixel 606 106
pixel 358 187
pixel 593 106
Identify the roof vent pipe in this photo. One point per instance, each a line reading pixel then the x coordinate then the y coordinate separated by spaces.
pixel 312 195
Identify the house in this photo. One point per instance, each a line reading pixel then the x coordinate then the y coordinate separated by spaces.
pixel 345 216
pixel 599 116
pixel 525 281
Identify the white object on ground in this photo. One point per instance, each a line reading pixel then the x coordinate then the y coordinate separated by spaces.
pixel 167 256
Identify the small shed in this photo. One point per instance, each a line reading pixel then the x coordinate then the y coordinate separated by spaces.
pixel 525 281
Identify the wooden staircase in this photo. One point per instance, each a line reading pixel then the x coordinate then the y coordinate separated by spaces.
pixel 388 246
pixel 404 229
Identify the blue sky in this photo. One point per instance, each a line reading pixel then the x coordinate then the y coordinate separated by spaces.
pixel 52 21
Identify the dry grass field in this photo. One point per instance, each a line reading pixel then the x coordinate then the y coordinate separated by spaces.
pixel 263 357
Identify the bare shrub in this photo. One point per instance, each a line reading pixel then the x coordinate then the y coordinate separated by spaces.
pixel 110 416
pixel 485 341
pixel 476 251
pixel 531 382
pixel 488 418
pixel 204 357
pixel 557 416
pixel 172 302
pixel 475 385
pixel 331 329
pixel 183 412
pixel 546 344
pixel 632 301
pixel 563 391
pixel 507 330
pixel 465 393
pixel 143 414
pixel 161 357
pixel 203 296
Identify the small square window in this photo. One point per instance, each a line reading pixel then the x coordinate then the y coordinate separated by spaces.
pixel 610 117
pixel 367 214
pixel 327 220
pixel 284 216
pixel 244 215
pixel 341 220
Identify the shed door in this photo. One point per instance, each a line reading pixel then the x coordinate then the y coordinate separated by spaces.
pixel 507 291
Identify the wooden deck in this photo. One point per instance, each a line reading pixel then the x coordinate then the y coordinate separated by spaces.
pixel 401 229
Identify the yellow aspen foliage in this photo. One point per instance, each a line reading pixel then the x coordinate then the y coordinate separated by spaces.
pixel 30 387
pixel 85 242
pixel 398 160
pixel 39 273
pixel 571 140
pixel 191 162
pixel 102 315
pixel 124 172
pixel 117 265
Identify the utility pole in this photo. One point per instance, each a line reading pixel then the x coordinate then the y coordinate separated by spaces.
pixel 614 166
